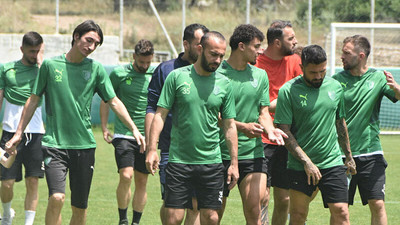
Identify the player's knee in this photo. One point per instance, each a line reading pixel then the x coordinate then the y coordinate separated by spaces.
pixel 282 202
pixel 341 212
pixel 209 218
pixel 57 198
pixel 297 217
pixel 7 184
pixel 32 182
pixel 125 177
pixel 376 206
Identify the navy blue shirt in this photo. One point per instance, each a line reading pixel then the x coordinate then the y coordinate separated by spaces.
pixel 154 91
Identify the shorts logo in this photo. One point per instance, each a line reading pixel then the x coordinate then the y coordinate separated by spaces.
pixel 58 76
pixel 332 95
pixel 220 194
pixel 186 90
pixel 47 160
pixel 254 82
pixel 304 101
pixel 383 189
pixel 42 167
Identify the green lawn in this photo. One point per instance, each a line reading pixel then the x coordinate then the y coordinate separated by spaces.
pixel 103 207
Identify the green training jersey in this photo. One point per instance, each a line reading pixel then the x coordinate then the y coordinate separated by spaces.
pixel 312 114
pixel 362 99
pixel 17 81
pixel 69 89
pixel 250 93
pixel 195 102
pixel 131 88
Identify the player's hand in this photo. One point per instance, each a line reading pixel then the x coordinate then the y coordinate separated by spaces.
pixel 140 140
pixel 152 161
pixel 313 173
pixel 390 81
pixel 107 136
pixel 252 130
pixel 12 144
pixel 233 176
pixel 39 59
pixel 351 165
pixel 277 136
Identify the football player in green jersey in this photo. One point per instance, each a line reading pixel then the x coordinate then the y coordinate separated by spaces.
pixel 364 88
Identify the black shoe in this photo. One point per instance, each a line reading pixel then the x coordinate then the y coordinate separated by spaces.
pixel 124 222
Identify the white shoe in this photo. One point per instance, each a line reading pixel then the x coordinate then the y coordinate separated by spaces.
pixel 8 220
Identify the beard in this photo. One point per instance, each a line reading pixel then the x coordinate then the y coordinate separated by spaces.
pixel 140 69
pixel 315 83
pixel 206 65
pixel 287 51
pixel 193 55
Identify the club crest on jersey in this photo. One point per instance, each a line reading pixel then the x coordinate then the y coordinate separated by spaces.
pixel 332 95
pixel 186 89
pixel 216 90
pixel 370 84
pixel 303 102
pixel 11 73
pixel 86 74
pixel 128 81
pixel 254 82
pixel 58 76
pixel 344 84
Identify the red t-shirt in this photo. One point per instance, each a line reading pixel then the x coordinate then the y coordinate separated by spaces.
pixel 279 72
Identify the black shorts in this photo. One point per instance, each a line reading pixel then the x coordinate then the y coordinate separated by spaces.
pixel 79 162
pixel 247 166
pixel 207 180
pixel 277 157
pixel 333 184
pixel 29 153
pixel 370 178
pixel 127 154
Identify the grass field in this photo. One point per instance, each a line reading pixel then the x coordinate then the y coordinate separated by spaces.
pixel 103 206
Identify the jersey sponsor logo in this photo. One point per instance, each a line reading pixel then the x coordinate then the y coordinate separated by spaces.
pixel 332 95
pixel 128 81
pixel 186 90
pixel 216 90
pixel 86 74
pixel 370 84
pixel 344 84
pixel 254 82
pixel 58 76
pixel 304 101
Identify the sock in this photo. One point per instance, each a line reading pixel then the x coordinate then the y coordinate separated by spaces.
pixel 136 217
pixel 6 209
pixel 123 214
pixel 29 217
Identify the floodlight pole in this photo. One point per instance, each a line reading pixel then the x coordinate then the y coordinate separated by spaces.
pixel 121 28
pixel 183 21
pixel 248 11
pixel 163 28
pixel 57 16
pixel 309 21
pixel 372 33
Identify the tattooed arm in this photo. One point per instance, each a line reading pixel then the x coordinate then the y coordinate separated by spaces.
pixel 312 171
pixel 343 139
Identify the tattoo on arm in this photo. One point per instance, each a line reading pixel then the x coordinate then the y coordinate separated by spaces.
pixel 292 146
pixel 343 136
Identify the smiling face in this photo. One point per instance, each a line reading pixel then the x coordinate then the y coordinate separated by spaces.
pixel 87 43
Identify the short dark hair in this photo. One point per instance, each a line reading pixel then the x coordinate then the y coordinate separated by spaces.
pixel 206 36
pixel 188 33
pixel 314 54
pixel 85 27
pixel 275 31
pixel 144 48
pixel 32 38
pixel 244 33
pixel 360 43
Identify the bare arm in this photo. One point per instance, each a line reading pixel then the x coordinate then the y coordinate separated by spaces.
pixel 1 98
pixel 343 139
pixel 157 125
pixel 274 134
pixel 393 84
pixel 104 112
pixel 119 108
pixel 294 148
pixel 27 113
pixel 232 143
pixel 147 124
pixel 272 106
